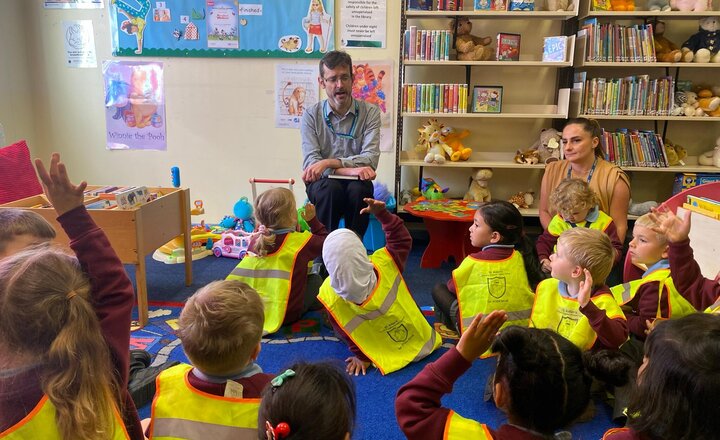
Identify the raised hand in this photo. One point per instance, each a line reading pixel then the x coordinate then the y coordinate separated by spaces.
pixel 585 289
pixel 480 334
pixel 63 194
pixel 670 225
pixel 373 206
pixel 309 212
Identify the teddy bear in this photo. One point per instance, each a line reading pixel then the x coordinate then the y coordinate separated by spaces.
pixel 675 153
pixel 711 157
pixel 468 46
pixel 708 102
pixel 523 199
pixel 478 190
pixel 689 5
pixel 622 5
pixel 688 105
pixel 665 50
pixel 453 139
pixel 704 45
pixel 658 5
pixel 560 5
pixel 548 145
pixel 641 208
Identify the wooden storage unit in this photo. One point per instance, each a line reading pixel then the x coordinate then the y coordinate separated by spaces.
pixel 133 233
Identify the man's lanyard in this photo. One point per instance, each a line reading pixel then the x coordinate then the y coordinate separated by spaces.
pixel 350 135
pixel 569 174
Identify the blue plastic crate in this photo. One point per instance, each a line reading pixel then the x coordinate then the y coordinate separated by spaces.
pixel 374 237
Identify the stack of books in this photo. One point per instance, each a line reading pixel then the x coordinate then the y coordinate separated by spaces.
pixel 426 45
pixel 634 148
pixel 609 42
pixel 632 96
pixel 435 98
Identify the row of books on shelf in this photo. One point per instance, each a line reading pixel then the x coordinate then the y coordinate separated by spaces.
pixel 435 98
pixel 478 5
pixel 610 42
pixel 426 45
pixel 634 148
pixel 630 96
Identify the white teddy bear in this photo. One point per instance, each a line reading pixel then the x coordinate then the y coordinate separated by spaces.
pixel 711 157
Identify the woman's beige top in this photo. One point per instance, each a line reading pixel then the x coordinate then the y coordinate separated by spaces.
pixel 602 182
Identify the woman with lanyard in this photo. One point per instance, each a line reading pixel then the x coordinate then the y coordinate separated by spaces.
pixel 584 160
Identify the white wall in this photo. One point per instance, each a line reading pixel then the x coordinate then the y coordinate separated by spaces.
pixel 219 112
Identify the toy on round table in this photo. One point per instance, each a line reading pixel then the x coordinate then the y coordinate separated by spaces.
pixel 431 190
pixel 244 213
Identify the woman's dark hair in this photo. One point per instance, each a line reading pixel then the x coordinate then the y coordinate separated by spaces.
pixel 334 59
pixel 589 126
pixel 545 377
pixel 677 393
pixel 317 403
pixel 504 218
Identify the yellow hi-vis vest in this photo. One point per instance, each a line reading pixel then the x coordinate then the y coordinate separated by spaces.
pixel 180 411
pixel 388 327
pixel 677 305
pixel 557 225
pixel 458 427
pixel 40 424
pixel 715 308
pixel 555 312
pixel 487 285
pixel 271 275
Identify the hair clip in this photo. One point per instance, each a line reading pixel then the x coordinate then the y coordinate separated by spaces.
pixel 279 380
pixel 280 431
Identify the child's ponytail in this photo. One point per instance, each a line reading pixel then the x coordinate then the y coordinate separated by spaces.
pixel 264 240
pixel 44 293
pixel 275 210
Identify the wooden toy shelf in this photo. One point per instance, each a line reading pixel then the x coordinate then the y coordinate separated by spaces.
pixel 133 233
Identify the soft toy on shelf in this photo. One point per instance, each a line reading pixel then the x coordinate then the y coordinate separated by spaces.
pixel 560 5
pixel 431 190
pixel 430 143
pixel 622 5
pixel 712 157
pixel 675 153
pixel 523 199
pixel 689 5
pixel 658 5
pixel 665 50
pixel 708 102
pixel 527 157
pixel 688 104
pixel 547 146
pixel 478 190
pixel 469 47
pixel 453 139
pixel 704 45
pixel 641 208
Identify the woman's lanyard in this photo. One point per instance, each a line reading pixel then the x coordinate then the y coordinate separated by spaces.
pixel 351 134
pixel 592 170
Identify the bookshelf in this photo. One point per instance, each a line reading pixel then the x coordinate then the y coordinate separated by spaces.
pixel 494 137
pixel 696 134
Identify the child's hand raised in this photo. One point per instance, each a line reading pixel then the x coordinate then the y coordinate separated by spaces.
pixel 480 334
pixel 309 212
pixel 355 366
pixel 63 194
pixel 585 289
pixel 670 225
pixel 373 206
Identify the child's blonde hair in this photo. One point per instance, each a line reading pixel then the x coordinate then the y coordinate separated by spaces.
pixel 14 222
pixel 46 312
pixel 590 249
pixel 220 326
pixel 275 209
pixel 647 221
pixel 572 194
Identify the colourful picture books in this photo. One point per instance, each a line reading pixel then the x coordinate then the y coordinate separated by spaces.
pixel 418 5
pixel 521 5
pixel 508 47
pixel 435 98
pixel 487 99
pixel 498 5
pixel 483 5
pixel 555 49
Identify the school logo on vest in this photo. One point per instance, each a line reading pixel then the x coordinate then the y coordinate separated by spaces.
pixel 398 333
pixel 496 287
pixel 567 325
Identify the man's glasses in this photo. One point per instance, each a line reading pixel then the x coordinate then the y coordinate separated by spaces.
pixel 336 79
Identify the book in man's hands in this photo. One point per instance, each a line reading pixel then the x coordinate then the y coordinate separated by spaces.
pixel 340 177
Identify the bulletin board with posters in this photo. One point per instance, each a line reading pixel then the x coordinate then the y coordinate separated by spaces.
pixel 223 28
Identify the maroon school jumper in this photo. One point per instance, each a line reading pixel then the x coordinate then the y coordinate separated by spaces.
pixel 398 245
pixel 698 290
pixel 611 333
pixel 644 307
pixel 252 386
pixel 311 250
pixel 419 411
pixel 113 297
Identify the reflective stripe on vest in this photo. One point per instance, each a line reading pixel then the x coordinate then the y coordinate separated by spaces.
pixel 388 327
pixel 271 276
pixel 553 311
pixel 458 427
pixel 487 285
pixel 40 424
pixel 180 411
pixel 715 308
pixel 677 305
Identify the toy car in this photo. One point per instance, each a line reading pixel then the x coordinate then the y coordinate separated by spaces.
pixel 231 245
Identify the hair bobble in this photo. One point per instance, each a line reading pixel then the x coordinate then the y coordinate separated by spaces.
pixel 71 294
pixel 279 380
pixel 282 430
pixel 262 229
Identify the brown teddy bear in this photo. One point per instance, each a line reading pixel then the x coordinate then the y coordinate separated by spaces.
pixel 665 50
pixel 470 47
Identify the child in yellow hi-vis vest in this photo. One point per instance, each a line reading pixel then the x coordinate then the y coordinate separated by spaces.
pixel 367 300
pixel 501 276
pixel 277 266
pixel 577 206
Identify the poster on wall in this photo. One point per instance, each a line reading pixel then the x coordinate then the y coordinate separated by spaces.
pixel 364 23
pixel 372 82
pixel 296 88
pixel 79 43
pixel 223 28
pixel 74 4
pixel 134 105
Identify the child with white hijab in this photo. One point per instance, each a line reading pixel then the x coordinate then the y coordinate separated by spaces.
pixel 367 300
